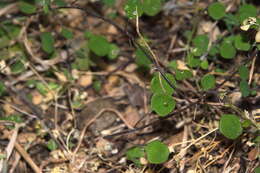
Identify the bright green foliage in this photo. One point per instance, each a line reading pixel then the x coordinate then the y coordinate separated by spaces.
pixel 13 118
pixel 244 88
pixel 27 8
pixel 208 82
pixel 134 154
pixel 241 43
pixel 157 152
pixel 152 7
pixel 243 72
pixel 181 75
pixel 141 59
pixel 42 88
pixel 160 85
pixel 109 3
pixel 133 8
pixel 257 170
pixel 17 67
pixel 113 51
pixel 2 88
pixel 51 145
pixel 200 43
pixel 230 126
pixel 204 64
pixel 216 10
pixel 47 42
pixel 245 11
pixel 246 123
pixel 227 50
pixel 192 61
pixel 99 45
pixel 162 104
pixel 66 33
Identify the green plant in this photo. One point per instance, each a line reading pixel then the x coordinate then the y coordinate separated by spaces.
pixel 155 152
pixel 230 126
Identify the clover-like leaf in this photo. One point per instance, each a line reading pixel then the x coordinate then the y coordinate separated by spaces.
pixel 216 10
pixel 134 154
pixel 241 43
pixel 162 104
pixel 247 10
pixel 133 8
pixel 99 45
pixel 227 50
pixel 113 51
pixel 230 126
pixel 160 85
pixel 208 82
pixel 201 44
pixel 141 59
pixel 152 7
pixel 157 152
pixel 66 33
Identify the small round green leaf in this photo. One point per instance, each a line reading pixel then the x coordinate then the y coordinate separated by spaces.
pixel 192 61
pixel 162 104
pixel 152 7
pixel 227 50
pixel 160 85
pixel 157 152
pixel 52 145
pixel 257 170
pixel 47 42
pixel 113 51
pixel 204 64
pixel 99 45
pixel 201 43
pixel 27 8
pixel 245 11
pixel 216 10
pixel 230 126
pixel 133 8
pixel 241 43
pixel 243 72
pixel 208 82
pixel 134 154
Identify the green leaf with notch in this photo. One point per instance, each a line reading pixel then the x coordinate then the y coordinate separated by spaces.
pixel 162 104
pixel 208 82
pixel 133 8
pixel 157 152
pixel 230 126
pixel 216 10
pixel 245 11
pixel 241 43
pixel 134 154
pixel 227 50
pixel 201 43
pixel 160 85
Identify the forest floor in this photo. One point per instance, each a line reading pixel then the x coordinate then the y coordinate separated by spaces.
pixel 74 111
